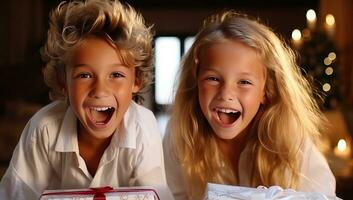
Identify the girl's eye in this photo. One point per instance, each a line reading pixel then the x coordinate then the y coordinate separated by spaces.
pixel 245 82
pixel 212 78
pixel 117 75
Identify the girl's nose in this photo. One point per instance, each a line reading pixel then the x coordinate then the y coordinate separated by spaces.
pixel 99 89
pixel 226 93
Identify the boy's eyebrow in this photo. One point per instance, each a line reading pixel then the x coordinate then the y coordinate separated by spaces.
pixel 112 65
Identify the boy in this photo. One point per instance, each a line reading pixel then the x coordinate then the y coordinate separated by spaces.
pixel 98 58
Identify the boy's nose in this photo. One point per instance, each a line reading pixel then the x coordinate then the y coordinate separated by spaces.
pixel 99 89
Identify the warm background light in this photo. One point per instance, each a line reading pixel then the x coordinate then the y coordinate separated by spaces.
pixel 311 15
pixel 296 35
pixel 330 19
pixel 327 61
pixel 329 70
pixel 326 87
pixel 341 145
pixel 332 56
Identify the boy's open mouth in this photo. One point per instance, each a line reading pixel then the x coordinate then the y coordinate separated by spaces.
pixel 227 116
pixel 101 115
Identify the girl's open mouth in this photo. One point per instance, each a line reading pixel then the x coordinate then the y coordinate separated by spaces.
pixel 100 115
pixel 227 116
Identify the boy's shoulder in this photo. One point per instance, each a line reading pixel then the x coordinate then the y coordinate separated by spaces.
pixel 50 113
pixel 142 120
pixel 141 113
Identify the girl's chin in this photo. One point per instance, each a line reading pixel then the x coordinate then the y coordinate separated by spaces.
pixel 225 136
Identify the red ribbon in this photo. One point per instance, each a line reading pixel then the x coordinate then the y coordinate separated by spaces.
pixel 99 193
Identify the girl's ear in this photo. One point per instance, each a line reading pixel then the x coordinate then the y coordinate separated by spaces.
pixel 264 99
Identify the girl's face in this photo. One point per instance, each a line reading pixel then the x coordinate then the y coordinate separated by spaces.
pixel 99 86
pixel 231 83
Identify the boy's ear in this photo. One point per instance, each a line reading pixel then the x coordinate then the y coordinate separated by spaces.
pixel 63 86
pixel 136 86
pixel 62 83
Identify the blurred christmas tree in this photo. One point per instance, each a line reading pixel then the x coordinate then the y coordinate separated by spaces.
pixel 318 59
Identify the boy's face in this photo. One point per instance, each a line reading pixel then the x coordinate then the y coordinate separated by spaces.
pixel 231 85
pixel 99 87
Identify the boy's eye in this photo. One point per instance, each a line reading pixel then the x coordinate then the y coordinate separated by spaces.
pixel 84 75
pixel 117 75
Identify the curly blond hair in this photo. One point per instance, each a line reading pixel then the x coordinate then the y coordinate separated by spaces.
pixel 290 111
pixel 120 25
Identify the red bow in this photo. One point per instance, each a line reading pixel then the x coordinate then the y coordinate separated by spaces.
pixel 99 192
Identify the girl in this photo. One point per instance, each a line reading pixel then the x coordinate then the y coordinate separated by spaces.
pixel 243 114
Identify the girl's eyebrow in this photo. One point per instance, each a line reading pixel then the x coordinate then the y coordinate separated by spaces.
pixel 246 73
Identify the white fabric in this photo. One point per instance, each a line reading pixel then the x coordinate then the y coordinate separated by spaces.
pixel 316 174
pixel 47 155
pixel 227 192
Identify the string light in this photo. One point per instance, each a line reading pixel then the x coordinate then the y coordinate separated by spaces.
pixel 326 87
pixel 332 56
pixel 327 61
pixel 330 19
pixel 311 15
pixel 341 145
pixel 329 71
pixel 296 35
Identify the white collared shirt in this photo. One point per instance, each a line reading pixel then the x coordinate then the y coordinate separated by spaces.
pixel 316 175
pixel 47 155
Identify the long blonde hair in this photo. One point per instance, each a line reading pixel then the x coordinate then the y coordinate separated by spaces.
pixel 289 116
pixel 120 25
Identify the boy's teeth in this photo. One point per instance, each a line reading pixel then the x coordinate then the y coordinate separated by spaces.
pixel 100 108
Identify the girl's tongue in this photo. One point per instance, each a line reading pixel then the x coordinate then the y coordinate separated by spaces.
pixel 228 118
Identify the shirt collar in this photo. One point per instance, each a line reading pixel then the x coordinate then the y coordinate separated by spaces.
pixel 124 137
pixel 67 138
pixel 128 129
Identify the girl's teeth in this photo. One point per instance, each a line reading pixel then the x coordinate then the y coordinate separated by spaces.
pixel 224 110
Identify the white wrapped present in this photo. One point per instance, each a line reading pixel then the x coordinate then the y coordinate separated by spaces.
pixel 227 192
pixel 103 193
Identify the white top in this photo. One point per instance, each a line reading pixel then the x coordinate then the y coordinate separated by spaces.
pixel 47 155
pixel 316 174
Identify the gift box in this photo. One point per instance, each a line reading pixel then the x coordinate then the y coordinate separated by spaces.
pixel 227 192
pixel 103 193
